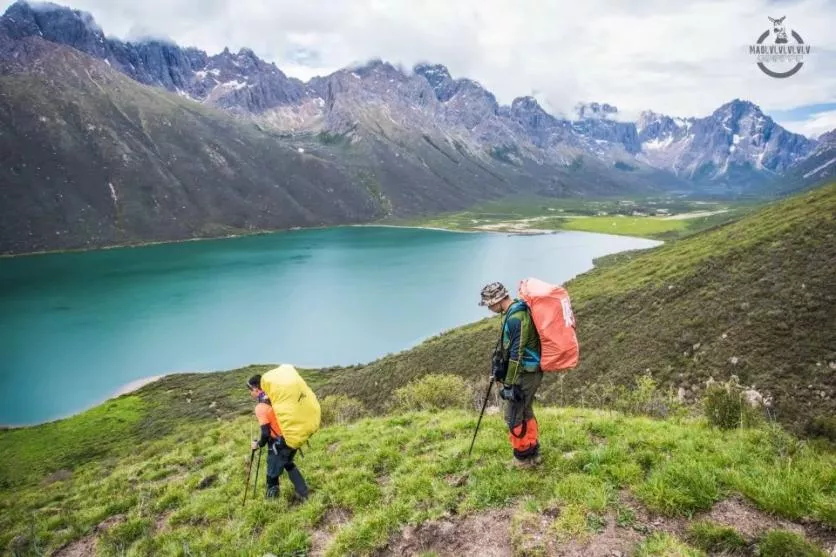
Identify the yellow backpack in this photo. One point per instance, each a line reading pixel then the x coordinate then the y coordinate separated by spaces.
pixel 294 403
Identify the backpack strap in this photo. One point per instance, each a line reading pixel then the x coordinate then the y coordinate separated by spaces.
pixel 501 331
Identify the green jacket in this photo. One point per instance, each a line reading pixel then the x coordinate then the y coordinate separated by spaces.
pixel 521 342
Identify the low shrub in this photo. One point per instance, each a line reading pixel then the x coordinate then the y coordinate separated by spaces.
pixel 433 392
pixel 730 405
pixel 341 409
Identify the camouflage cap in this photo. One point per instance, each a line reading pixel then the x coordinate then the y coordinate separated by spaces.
pixel 493 293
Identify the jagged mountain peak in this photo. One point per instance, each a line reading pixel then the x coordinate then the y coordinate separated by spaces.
pixel 594 110
pixel 736 143
pixel 23 8
pixel 24 18
pixel 237 81
pixel 655 129
pixel 426 99
pixel 439 79
pixel 445 87
pixel 432 72
pixel 741 103
pixel 526 103
pixel 528 112
pixel 738 108
pixel 828 138
pixel 647 116
pixel 376 65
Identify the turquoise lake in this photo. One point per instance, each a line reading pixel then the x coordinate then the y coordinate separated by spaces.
pixel 75 328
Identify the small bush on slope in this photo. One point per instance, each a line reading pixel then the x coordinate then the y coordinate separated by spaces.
pixel 341 409
pixel 433 392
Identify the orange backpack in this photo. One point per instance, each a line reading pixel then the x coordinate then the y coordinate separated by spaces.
pixel 551 311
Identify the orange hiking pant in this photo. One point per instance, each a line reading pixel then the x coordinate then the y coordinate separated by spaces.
pixel 519 416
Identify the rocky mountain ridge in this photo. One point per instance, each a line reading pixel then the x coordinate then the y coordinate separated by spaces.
pixel 735 143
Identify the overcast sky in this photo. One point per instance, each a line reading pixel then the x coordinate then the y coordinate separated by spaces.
pixel 679 57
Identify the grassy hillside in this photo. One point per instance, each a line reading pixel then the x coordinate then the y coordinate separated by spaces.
pixel 755 298
pixel 154 411
pixel 403 484
pixel 161 471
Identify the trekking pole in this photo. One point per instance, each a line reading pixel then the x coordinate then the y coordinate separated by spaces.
pixel 490 384
pixel 484 405
pixel 249 471
pixel 257 467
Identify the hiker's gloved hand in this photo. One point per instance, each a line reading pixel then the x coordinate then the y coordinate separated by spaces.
pixel 254 445
pixel 511 393
pixel 499 367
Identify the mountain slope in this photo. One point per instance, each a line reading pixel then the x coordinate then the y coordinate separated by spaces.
pixel 755 298
pixel 818 167
pixel 126 162
pixel 131 163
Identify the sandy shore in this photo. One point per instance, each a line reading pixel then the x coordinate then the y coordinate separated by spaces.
pixel 694 215
pixel 135 385
pixel 411 226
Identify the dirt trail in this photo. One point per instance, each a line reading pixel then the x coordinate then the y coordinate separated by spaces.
pixel 479 535
pixel 327 528
pixel 509 532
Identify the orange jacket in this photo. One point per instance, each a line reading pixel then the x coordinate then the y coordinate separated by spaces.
pixel 270 428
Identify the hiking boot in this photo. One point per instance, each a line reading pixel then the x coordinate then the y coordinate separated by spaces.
pixel 536 458
pixel 522 463
pixel 272 492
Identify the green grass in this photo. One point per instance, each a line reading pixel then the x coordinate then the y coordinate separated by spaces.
pixel 154 411
pixel 585 215
pixel 716 539
pixel 629 226
pixel 386 472
pixel 34 452
pixel 779 543
pixel 666 545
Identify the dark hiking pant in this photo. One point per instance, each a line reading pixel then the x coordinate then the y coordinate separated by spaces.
pixel 279 458
pixel 519 416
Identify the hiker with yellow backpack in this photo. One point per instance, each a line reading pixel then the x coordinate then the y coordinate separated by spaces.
pixel 288 414
pixel 537 335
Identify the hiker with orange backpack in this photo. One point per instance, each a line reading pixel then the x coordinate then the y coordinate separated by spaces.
pixel 537 335
pixel 279 455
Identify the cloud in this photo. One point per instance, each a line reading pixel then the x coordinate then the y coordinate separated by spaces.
pixel 681 58
pixel 817 124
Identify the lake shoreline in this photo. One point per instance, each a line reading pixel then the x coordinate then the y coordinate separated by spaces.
pixel 184 306
pixel 135 385
pixel 126 389
pixel 263 233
